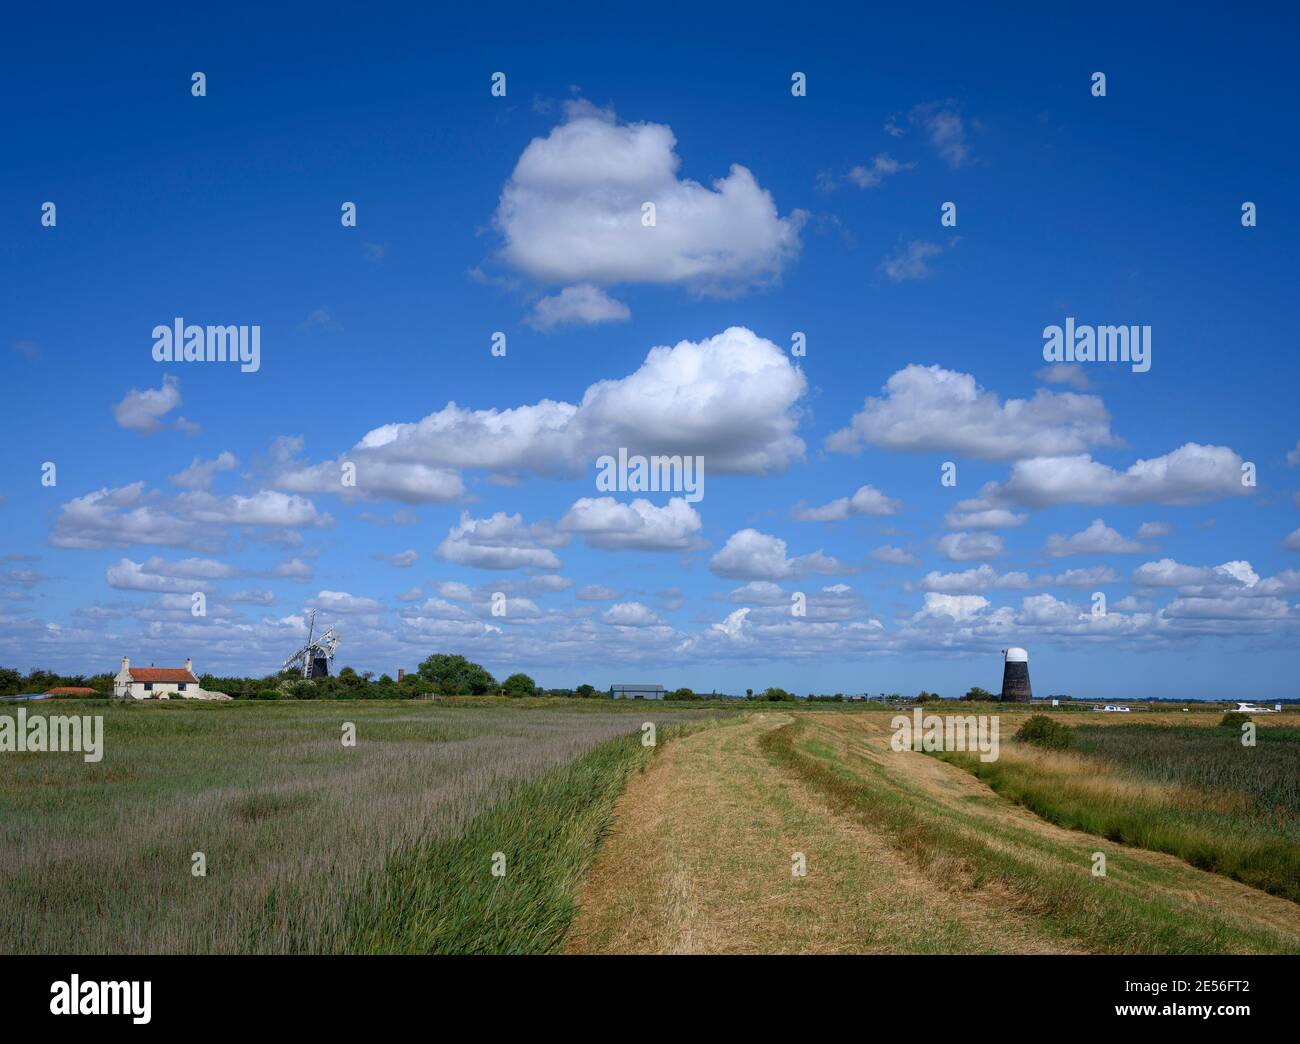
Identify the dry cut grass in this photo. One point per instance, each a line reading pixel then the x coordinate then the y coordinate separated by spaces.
pixel 905 854
pixel 699 860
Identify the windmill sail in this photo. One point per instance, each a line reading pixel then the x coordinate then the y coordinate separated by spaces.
pixel 313 659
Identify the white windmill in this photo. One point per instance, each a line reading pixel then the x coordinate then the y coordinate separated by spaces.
pixel 313 659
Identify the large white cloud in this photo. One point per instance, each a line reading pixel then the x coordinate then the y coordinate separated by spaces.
pixel 1094 576
pixel 976 514
pixel 1195 579
pixel 572 212
pixel 970 547
pixel 1188 475
pixel 731 399
pixel 930 409
pixel 500 542
pixel 368 476
pixel 1097 539
pixel 611 524
pixel 751 555
pixel 983 578
pixel 127 575
pixel 629 614
pixel 130 514
pixel 956 607
pixel 267 507
pixel 376 479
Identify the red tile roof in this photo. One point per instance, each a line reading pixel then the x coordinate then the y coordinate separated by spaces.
pixel 162 674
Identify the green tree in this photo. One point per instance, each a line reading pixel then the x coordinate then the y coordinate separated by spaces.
pixel 519 685
pixel 586 691
pixel 457 675
pixel 976 693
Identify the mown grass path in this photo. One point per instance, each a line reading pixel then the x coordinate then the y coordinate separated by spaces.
pixel 905 854
pixel 700 857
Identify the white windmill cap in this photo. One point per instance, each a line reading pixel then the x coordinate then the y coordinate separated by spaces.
pixel 1017 655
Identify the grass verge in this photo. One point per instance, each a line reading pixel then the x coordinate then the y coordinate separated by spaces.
pixel 442 897
pixel 1194 793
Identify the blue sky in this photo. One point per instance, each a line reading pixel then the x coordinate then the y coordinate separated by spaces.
pixel 522 214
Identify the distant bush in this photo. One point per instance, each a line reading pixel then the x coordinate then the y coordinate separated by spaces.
pixel 976 693
pixel 1047 733
pixel 454 675
pixel 268 694
pixel 1233 720
pixel 518 685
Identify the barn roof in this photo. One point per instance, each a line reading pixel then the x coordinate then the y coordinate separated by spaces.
pixel 162 674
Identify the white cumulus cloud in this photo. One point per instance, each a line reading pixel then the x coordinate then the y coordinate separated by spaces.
pixel 1097 539
pixel 572 212
pixel 866 501
pixel 144 409
pixel 500 542
pixel 611 524
pixel 751 555
pixel 929 409
pixel 582 305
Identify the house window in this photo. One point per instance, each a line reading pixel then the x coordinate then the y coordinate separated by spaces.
pixel 180 687
pixel 148 686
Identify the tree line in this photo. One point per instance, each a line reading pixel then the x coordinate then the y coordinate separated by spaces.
pixel 442 674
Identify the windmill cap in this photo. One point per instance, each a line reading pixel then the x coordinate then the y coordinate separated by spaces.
pixel 1017 655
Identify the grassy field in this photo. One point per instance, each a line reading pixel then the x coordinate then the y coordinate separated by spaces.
pixel 311 846
pixel 608 846
pixel 1192 790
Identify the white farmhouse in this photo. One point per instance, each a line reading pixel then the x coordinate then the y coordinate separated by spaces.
pixel 160 683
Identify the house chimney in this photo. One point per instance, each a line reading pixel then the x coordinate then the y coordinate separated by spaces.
pixel 401 673
pixel 126 664
pixel 189 665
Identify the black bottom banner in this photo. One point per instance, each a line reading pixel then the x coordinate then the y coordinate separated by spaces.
pixel 147 993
